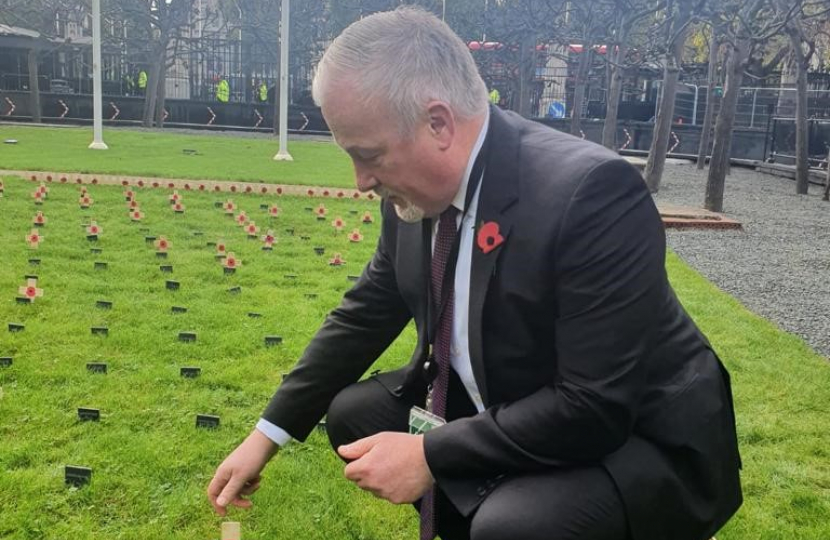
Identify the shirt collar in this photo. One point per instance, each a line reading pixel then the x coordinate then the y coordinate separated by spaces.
pixel 461 195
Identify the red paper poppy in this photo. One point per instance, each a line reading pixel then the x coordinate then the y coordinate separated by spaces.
pixel 140 183
pixel 39 219
pixel 340 194
pixel 63 180
pixel 274 211
pixel 321 211
pixel 94 180
pixel 229 207
pixel 263 190
pixel 251 229
pixel 162 244
pixel 233 189
pixel 155 184
pixel 43 189
pixel 34 178
pixel 279 191
pixel 241 218
pixel 187 187
pixel 34 238
pixel 85 201
pixel 310 192
pixel 171 185
pixel 136 215
pixel 367 217
pixel 356 195
pixel 129 194
pixel 30 290
pixel 79 181
pixel 355 236
pixel 230 261
pixel 269 238
pixel 178 207
pixel 371 196
pixel 94 229
pixel 337 260
pixel 248 189
pixel 201 187
pixel 325 193
pixel 338 224
pixel 125 183
pixel 220 248
pixel 217 187
pixel 488 237
pixel 48 177
pixel 133 204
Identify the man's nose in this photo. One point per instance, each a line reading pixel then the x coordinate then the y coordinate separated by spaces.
pixel 364 179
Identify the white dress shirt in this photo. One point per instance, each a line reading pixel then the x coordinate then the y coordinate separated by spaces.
pixel 460 346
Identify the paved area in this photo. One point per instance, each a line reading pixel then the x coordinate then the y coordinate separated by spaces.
pixel 778 266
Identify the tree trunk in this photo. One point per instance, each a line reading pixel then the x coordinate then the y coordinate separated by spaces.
pixel 156 72
pixel 662 125
pixel 706 130
pixel 161 96
pixel 802 163
pixel 34 86
pixel 786 91
pixel 579 87
pixel 609 129
pixel 723 128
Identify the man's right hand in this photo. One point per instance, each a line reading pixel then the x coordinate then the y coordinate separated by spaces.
pixel 239 475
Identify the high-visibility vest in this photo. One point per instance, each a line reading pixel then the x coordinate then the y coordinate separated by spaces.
pixel 142 79
pixel 263 92
pixel 495 97
pixel 223 91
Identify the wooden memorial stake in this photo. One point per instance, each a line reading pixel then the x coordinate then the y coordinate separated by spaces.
pixel 230 531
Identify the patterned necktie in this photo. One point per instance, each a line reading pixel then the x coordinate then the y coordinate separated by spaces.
pixel 447 231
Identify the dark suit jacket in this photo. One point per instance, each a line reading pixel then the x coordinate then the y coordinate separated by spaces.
pixel 581 351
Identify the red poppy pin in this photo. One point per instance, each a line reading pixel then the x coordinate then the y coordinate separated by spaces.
pixel 488 237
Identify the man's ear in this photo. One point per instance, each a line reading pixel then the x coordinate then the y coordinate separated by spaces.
pixel 441 123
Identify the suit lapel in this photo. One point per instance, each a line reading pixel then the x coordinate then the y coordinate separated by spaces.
pixel 499 191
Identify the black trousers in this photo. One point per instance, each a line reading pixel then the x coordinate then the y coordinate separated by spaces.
pixel 558 504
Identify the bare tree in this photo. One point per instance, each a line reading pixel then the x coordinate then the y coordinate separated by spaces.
pixel 677 29
pixel 626 14
pixel 711 85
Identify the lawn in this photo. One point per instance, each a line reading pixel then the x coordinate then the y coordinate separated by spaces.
pixel 151 464
pixel 174 155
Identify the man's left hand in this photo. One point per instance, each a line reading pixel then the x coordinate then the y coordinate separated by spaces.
pixel 390 465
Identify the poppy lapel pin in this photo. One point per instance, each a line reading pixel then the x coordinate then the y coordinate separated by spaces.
pixel 488 237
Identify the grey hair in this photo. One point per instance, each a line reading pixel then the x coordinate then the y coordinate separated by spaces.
pixel 404 58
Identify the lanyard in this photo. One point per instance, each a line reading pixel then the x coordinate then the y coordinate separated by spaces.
pixel 434 311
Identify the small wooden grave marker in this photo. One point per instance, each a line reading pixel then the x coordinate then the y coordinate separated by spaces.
pixel 231 531
pixel 100 331
pixel 166 268
pixel 321 425
pixel 305 237
pixel 198 233
pixel 161 254
pixel 6 361
pixel 270 341
pixel 88 415
pixel 190 372
pixel 96 367
pixel 187 337
pixel 229 270
pixel 34 262
pixel 319 250
pixel 352 278
pixel 103 304
pixel 171 285
pixel 178 309
pixel 101 265
pixel 353 212
pixel 16 327
pixel 211 244
pixel 207 421
pixel 290 276
pixel 235 290
pixel 30 276
pixel 263 207
pixel 96 251
pixel 309 209
pixel 254 315
pixel 77 476
pixel 23 300
pixel 144 230
pixel 218 204
pixel 149 238
pixel 311 296
pixel 290 231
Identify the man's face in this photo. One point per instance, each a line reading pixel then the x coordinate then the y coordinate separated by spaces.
pixel 413 172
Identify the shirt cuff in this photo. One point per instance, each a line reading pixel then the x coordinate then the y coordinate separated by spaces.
pixel 275 433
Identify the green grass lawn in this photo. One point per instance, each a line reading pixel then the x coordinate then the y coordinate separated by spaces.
pixel 151 465
pixel 155 154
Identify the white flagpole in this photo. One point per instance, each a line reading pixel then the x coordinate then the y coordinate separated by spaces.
pixel 283 154
pixel 97 123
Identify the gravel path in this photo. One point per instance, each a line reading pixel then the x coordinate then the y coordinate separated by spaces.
pixel 779 265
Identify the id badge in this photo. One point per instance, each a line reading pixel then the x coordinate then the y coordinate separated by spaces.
pixel 421 421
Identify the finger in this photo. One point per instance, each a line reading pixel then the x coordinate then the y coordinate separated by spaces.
pixel 357 448
pixel 231 491
pixel 353 471
pixel 218 482
pixel 242 503
pixel 249 488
